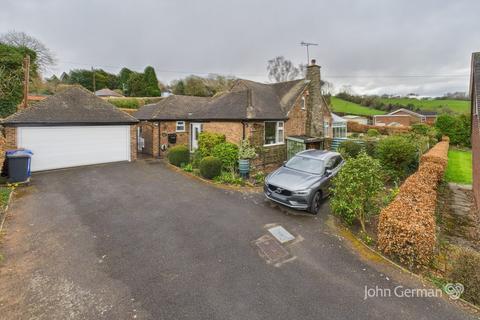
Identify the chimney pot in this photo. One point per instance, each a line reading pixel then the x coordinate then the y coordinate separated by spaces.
pixel 314 62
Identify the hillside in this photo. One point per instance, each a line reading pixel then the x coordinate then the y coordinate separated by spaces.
pixel 339 105
pixel 458 106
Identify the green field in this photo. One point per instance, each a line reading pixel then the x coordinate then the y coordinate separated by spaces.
pixel 458 106
pixel 459 169
pixel 339 105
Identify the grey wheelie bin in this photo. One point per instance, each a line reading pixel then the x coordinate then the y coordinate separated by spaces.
pixel 19 165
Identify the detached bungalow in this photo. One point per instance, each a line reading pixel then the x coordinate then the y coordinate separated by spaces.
pixel 405 117
pixel 265 114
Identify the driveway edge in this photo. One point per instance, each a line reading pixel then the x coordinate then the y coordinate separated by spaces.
pixel 5 210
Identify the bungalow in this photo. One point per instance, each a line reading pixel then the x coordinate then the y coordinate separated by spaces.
pixel 475 112
pixel 265 114
pixel 405 117
pixel 107 93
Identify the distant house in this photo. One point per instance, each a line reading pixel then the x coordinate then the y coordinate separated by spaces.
pixel 475 110
pixel 357 119
pixel 107 93
pixel 405 117
pixel 265 114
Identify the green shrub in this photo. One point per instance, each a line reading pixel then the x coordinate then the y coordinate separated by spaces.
pixel 208 140
pixel 229 178
pixel 373 132
pixel 456 127
pixel 128 103
pixel 196 158
pixel 179 155
pixel 259 177
pixel 370 147
pixel 349 149
pixel 420 128
pixel 355 189
pixel 228 153
pixel 465 270
pixel 187 167
pixel 210 167
pixel 398 156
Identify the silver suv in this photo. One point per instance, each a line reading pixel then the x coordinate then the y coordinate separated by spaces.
pixel 304 180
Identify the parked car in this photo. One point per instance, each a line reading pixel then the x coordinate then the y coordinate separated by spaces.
pixel 304 180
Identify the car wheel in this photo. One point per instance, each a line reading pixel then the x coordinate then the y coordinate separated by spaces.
pixel 316 202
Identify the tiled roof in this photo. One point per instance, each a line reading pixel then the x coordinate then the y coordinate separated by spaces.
pixel 73 105
pixel 245 100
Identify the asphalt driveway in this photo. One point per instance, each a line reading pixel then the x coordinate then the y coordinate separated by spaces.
pixel 125 241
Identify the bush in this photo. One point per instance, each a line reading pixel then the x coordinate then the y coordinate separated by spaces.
pixel 210 167
pixel 179 155
pixel 420 128
pixel 398 156
pixel 355 189
pixel 228 153
pixel 128 103
pixel 456 127
pixel 196 158
pixel 229 178
pixel 246 151
pixel 208 140
pixel 465 270
pixel 370 147
pixel 349 149
pixel 373 133
pixel 406 227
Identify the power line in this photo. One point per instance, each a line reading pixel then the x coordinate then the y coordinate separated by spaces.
pixel 326 75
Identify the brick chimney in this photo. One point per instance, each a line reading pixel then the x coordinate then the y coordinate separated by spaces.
pixel 314 121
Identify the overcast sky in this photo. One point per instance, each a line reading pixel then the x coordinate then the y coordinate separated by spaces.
pixel 376 46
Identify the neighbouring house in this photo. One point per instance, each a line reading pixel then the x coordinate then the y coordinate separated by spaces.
pixel 405 117
pixel 72 128
pixel 107 93
pixel 357 119
pixel 265 114
pixel 475 110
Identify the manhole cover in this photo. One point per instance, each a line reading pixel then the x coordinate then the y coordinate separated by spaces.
pixel 281 234
pixel 272 250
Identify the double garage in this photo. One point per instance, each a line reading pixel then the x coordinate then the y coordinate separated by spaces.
pixel 72 128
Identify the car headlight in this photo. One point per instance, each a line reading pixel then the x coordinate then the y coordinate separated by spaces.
pixel 301 192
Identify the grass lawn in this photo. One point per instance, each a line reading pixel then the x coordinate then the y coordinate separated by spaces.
pixel 459 168
pixel 458 106
pixel 339 105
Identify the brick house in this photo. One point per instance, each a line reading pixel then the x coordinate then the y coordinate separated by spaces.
pixel 475 112
pixel 265 114
pixel 404 117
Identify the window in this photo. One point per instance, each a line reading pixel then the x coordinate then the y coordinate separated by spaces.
pixel 274 132
pixel 180 126
pixel 304 103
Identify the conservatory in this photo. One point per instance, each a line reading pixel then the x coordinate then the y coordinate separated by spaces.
pixel 339 127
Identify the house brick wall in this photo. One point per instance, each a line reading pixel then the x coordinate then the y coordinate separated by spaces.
pixel 476 159
pixel 430 120
pixel 296 123
pixel 233 130
pixel 133 142
pixel 169 127
pixel 150 134
pixel 404 120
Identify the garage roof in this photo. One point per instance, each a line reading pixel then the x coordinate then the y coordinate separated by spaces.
pixel 74 105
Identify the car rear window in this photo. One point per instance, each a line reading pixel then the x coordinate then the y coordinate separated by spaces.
pixel 305 164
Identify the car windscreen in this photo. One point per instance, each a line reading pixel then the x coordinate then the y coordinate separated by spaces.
pixel 305 164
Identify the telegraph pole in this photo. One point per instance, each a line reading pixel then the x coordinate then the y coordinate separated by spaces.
pixel 307 44
pixel 26 79
pixel 93 72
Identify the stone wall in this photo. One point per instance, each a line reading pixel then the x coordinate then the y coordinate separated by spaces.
pixel 297 117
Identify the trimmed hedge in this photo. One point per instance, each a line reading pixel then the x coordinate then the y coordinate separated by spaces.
pixel 210 167
pixel 208 140
pixel 179 155
pixel 406 228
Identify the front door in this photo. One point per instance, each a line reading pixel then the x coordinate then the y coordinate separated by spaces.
pixel 195 129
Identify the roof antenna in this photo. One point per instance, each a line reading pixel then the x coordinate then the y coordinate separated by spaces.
pixel 307 44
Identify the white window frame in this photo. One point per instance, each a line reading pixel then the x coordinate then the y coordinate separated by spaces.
pixel 304 103
pixel 279 133
pixel 180 124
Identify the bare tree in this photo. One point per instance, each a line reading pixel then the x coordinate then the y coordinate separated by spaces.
pixel 45 57
pixel 280 69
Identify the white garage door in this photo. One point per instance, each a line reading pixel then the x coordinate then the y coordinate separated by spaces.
pixel 62 147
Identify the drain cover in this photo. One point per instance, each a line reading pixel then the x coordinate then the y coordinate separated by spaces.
pixel 272 250
pixel 281 234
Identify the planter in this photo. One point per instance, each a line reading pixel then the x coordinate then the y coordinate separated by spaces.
pixel 244 167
